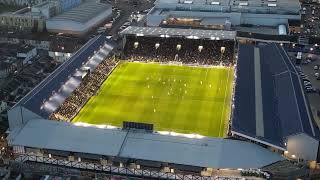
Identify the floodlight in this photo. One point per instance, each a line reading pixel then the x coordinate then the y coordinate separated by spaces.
pixel 222 49
pixel 178 47
pixel 157 45
pixel 136 44
pixel 200 48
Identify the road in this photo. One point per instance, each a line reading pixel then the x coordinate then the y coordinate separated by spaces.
pixel 126 10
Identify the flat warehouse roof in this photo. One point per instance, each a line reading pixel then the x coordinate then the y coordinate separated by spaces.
pixel 175 32
pixel 83 13
pixel 204 152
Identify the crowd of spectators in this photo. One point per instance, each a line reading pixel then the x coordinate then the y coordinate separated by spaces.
pixel 187 51
pixel 88 87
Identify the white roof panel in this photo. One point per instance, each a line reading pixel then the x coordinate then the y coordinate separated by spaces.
pixel 188 2
pixel 215 3
pixel 205 152
pixel 272 5
pixel 175 32
pixel 49 134
pixel 243 4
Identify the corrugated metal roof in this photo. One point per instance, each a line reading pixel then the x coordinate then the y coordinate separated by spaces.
pixel 177 32
pixel 41 93
pixel 205 152
pixel 84 12
pixel 285 107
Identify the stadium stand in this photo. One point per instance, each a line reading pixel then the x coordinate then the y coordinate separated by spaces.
pixel 187 51
pixel 270 106
pixel 88 87
pixel 83 58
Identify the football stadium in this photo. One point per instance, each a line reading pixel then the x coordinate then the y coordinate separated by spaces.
pixel 167 103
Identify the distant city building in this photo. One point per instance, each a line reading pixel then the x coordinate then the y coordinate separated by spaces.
pixel 5 68
pixel 46 9
pixel 21 2
pixel 65 5
pixel 81 19
pixel 26 53
pixel 3 106
pixel 23 20
pixel 14 56
pixel 33 18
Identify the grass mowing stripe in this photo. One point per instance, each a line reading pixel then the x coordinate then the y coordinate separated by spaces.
pixel 174 98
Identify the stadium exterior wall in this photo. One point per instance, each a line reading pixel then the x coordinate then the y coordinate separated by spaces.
pixel 76 28
pixel 303 146
pixel 236 18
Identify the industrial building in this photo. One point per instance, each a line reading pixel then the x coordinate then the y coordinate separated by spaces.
pixel 23 20
pixel 228 15
pixel 81 19
pixel 14 57
pixel 33 18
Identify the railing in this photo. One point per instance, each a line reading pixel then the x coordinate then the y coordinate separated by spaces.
pixel 267 37
pixel 29 162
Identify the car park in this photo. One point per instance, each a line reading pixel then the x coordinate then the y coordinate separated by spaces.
pixel 306 80
pixel 307 84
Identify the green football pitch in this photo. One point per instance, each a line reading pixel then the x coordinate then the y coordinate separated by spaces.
pixel 183 99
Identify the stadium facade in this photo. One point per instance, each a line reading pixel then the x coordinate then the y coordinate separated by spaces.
pixel 219 14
